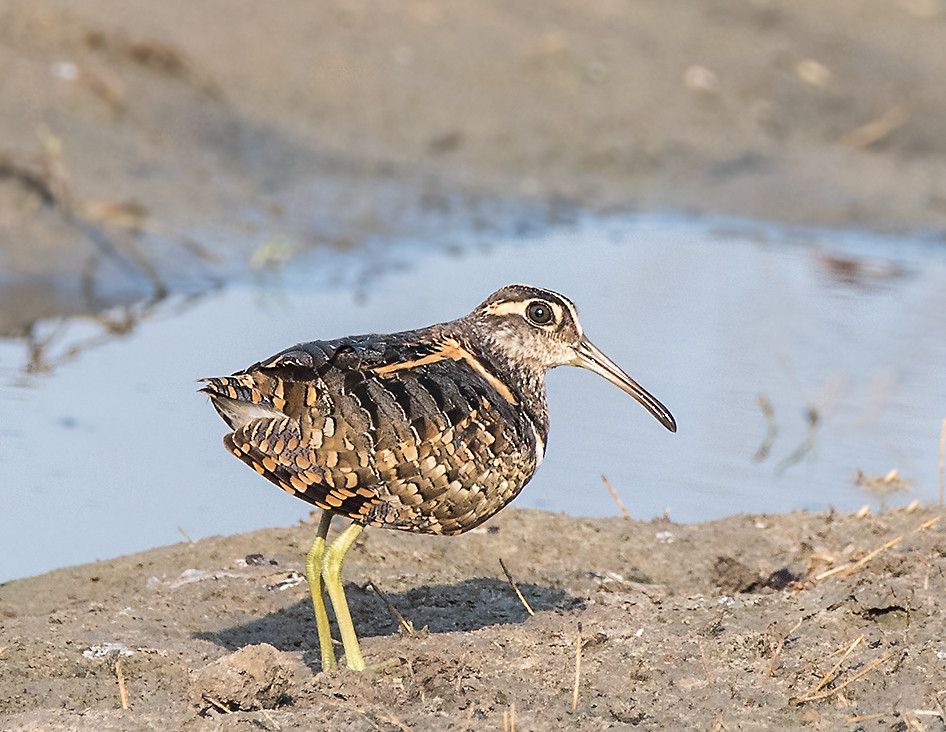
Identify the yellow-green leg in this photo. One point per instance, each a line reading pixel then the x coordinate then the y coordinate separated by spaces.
pixel 313 573
pixel 332 574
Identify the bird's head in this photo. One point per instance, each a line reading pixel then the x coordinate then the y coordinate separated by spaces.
pixel 539 329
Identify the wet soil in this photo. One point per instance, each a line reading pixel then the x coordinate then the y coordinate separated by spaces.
pixel 129 126
pixel 798 620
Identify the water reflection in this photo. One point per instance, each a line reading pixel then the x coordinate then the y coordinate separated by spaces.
pixel 113 451
pixel 53 343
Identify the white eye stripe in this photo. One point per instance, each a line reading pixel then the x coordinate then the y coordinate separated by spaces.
pixel 519 307
pixel 506 307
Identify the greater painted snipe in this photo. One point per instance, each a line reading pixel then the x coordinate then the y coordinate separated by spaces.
pixel 431 430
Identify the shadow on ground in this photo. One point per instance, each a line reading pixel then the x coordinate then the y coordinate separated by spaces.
pixel 465 606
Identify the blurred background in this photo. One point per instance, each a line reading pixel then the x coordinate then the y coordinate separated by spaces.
pixel 746 200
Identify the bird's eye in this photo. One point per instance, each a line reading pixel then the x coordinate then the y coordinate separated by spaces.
pixel 539 312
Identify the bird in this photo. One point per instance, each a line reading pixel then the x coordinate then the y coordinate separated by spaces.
pixel 430 431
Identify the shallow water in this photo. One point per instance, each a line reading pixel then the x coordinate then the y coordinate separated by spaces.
pixel 113 451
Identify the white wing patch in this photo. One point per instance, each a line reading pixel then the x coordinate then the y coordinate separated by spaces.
pixel 240 413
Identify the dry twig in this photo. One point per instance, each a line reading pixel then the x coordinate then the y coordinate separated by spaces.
pixel 514 587
pixel 939 707
pixel 718 723
pixel 870 555
pixel 406 624
pixel 942 462
pixel 420 687
pixel 509 718
pixel 831 692
pixel 578 645
pixel 216 703
pixel 830 675
pixel 276 725
pixel 392 719
pixel 616 497
pixel 778 650
pixel 864 718
pixel 706 667
pixel 820 661
pixel 849 568
pixel 122 689
pixel 877 129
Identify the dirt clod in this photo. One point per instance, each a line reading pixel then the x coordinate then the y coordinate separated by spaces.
pixel 254 677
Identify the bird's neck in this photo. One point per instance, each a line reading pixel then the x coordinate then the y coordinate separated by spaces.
pixel 524 381
pixel 529 388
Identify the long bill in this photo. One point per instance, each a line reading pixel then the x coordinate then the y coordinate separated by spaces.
pixel 589 357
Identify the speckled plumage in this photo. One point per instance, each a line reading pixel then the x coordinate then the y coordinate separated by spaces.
pixel 432 448
pixel 431 430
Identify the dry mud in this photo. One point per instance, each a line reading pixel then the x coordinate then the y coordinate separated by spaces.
pixel 733 624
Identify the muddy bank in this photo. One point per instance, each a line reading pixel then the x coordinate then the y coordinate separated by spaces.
pixel 154 148
pixel 151 147
pixel 797 620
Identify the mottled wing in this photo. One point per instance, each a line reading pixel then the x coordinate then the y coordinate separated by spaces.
pixel 290 426
pixel 398 431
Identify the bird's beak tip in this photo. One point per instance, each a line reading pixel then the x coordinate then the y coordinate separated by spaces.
pixel 589 357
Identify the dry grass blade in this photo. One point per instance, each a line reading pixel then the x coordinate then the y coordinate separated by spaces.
pixel 831 692
pixel 216 703
pixel 847 569
pixel 828 572
pixel 864 718
pixel 820 661
pixel 830 675
pixel 710 678
pixel 578 645
pixel 878 129
pixel 122 689
pixel 406 624
pixel 616 497
pixel 522 599
pixel 778 651
pixel 390 718
pixel 509 718
pixel 939 707
pixel 364 714
pixel 271 719
pixel 718 723
pixel 942 462
pixel 867 557
pixel 420 687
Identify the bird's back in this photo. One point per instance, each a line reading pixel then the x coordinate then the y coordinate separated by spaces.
pixel 414 431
